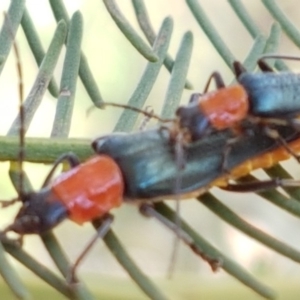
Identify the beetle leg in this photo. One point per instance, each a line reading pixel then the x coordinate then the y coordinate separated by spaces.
pixel 226 152
pixel 69 157
pixel 272 133
pixel 257 186
pixel 102 230
pixel 148 211
pixel 216 76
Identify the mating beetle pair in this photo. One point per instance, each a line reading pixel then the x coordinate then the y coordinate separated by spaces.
pixel 142 168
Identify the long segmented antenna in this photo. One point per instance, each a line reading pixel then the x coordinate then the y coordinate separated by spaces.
pixel 146 120
pixel 146 113
pixel 180 163
pixel 21 154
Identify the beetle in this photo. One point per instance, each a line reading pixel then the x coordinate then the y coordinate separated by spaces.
pixel 266 98
pixel 138 167
pixel 142 168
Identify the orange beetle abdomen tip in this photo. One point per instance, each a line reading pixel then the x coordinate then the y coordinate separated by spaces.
pixel 91 189
pixel 225 107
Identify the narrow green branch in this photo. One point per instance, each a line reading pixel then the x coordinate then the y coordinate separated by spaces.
pixel 279 172
pixel 85 73
pixel 256 51
pixel 145 24
pixel 118 250
pixel 36 47
pixel 9 29
pixel 272 45
pixel 38 269
pixel 65 101
pixel 178 76
pixel 129 32
pixel 138 98
pixel 230 217
pixel 273 39
pixel 288 27
pixel 288 204
pixel 11 277
pixel 43 78
pixel 79 291
pixel 253 29
pixel 226 263
pixel 245 18
pixel 210 31
pixel 43 150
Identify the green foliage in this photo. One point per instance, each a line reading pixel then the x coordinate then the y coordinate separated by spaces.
pixel 69 32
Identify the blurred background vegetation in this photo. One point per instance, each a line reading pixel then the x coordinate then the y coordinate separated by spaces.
pixel 117 68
